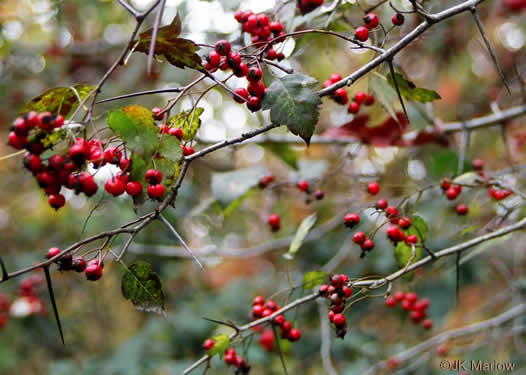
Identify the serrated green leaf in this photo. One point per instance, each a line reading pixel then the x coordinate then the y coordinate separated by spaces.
pixel 58 100
pixel 170 148
pixel 229 186
pixel 177 51
pixel 293 102
pixel 134 127
pixel 383 91
pixel 284 152
pixel 142 286
pixel 410 91
pixel 188 121
pixel 301 233
pixel 220 345
pixel 313 278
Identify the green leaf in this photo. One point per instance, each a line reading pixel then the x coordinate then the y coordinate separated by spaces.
pixel 220 346
pixel 169 169
pixel 138 168
pixel 177 51
pixel 170 148
pixel 58 100
pixel 189 122
pixel 143 288
pixel 410 91
pixel 301 233
pixel 229 186
pixel 383 91
pixel 284 152
pixel 313 278
pixel 402 251
pixel 136 129
pixel 293 102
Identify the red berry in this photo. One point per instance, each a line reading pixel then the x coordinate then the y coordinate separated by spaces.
pixel 17 142
pixel 339 320
pixel 462 209
pixel 233 59
pixel 335 77
pixel 451 193
pixel 112 155
pixel 133 188
pixel 79 152
pixel 399 296
pixel 52 252
pixel 394 233
pixel 362 34
pixel 407 305
pixel 256 88
pixel 222 47
pixel 442 350
pixel 265 181
pixel 416 316
pixel 258 300
pixel 257 311
pixel 271 305
pixel 56 162
pixel 33 163
pixel 303 185
pixel 331 315
pixel 421 304
pixel 324 290
pixel 254 103
pixel 56 201
pixel 266 312
pixel 21 127
pixel 156 191
pixel 254 74
pixel 411 297
pixel 390 301
pixel 177 132
pixel 45 121
pixel 280 319
pixel 115 186
pixel 319 195
pixel 359 238
pixel 367 245
pixel 371 21
pixel 78 264
pixel 87 183
pixel 381 204
pixel 353 108
pixel 391 212
pixel 373 188
pixel 398 19
pixel 266 340
pixel 327 83
pixel 243 93
pixel 187 150
pixel 276 27
pixel 477 164
pixel 347 291
pixel 124 163
pixel 411 239
pixel 157 113
pixel 427 324
pixel 46 179
pixel 230 359
pixel 271 54
pixel 445 183
pixel 370 100
pixel 208 344
pixel 337 281
pixel 214 59
pixel 274 222
pixel 360 97
pixel 153 176
pixel 340 96
pixel 405 222
pixel 294 334
pixel 93 272
pixel 392 363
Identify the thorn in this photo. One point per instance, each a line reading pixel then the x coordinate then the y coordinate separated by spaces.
pixel 53 302
pixel 391 68
pixel 5 275
pixel 488 46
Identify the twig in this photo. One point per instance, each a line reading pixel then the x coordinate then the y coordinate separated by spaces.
pixel 155 31
pixel 325 350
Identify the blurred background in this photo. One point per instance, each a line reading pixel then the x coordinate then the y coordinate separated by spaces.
pixel 46 44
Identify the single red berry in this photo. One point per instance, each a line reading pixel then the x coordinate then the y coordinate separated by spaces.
pixel 399 296
pixel 303 185
pixel 87 183
pixel 230 359
pixel 223 47
pixel 394 233
pixel 79 152
pixel 339 320
pixel 427 324
pixel 331 315
pixel 294 334
pixel 214 59
pixel 324 290
pixel 243 93
pixel 416 316
pixel 411 297
pixel 208 344
pixel 52 252
pixel 188 150
pixel 347 291
pixel 33 163
pixel 280 319
pixel 93 272
pixel 390 301
pixel 56 162
pixel 391 212
pixel 340 96
pixel 254 103
pixel 371 21
pixel 367 245
pixel 411 239
pixel 79 264
pixel 405 222
pixel 266 312
pixel 134 188
pixel 373 188
pixel 353 108
pixel 56 201
pixel 177 132
pixel 272 54
pixel 153 176
pixel 336 281
pixel 362 34
pixel 381 204
pixel 254 74
pixel 286 327
pixel 266 340
pixel 344 277
pixel 276 27
pixel 274 222
pixel 115 186
pixel 327 83
pixel 46 179
pixel 421 304
pixel 407 305
pixel 256 88
pixel 272 305
pixel 370 100
pixel 392 363
pixel 257 311
pixel 335 77
pixel 45 121
pixel 360 97
pixel 263 19
pixel 156 191
pixel 398 19
pixel 17 142
pixel 451 193
pixel 359 238
pixel 442 350
pixel 21 127
pixel 280 56
pixel 445 183
pixel 477 164
pixel 157 113
pixel 319 195
pixel 258 300
pixel 233 60
pixel 462 209
pixel 124 163
pixel 265 181
pixel 351 220
pixel 112 155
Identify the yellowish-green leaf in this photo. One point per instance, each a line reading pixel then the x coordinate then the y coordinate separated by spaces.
pixel 58 100
pixel 301 233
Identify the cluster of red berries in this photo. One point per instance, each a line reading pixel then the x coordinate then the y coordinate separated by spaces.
pixel 92 269
pixel 340 95
pixel 304 186
pixel 337 292
pixel 417 308
pixel 171 130
pixel 360 238
pixel 28 295
pixel 262 30
pixel 262 309
pixel 231 358
pixel 497 194
pixel 452 191
pixel 306 6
